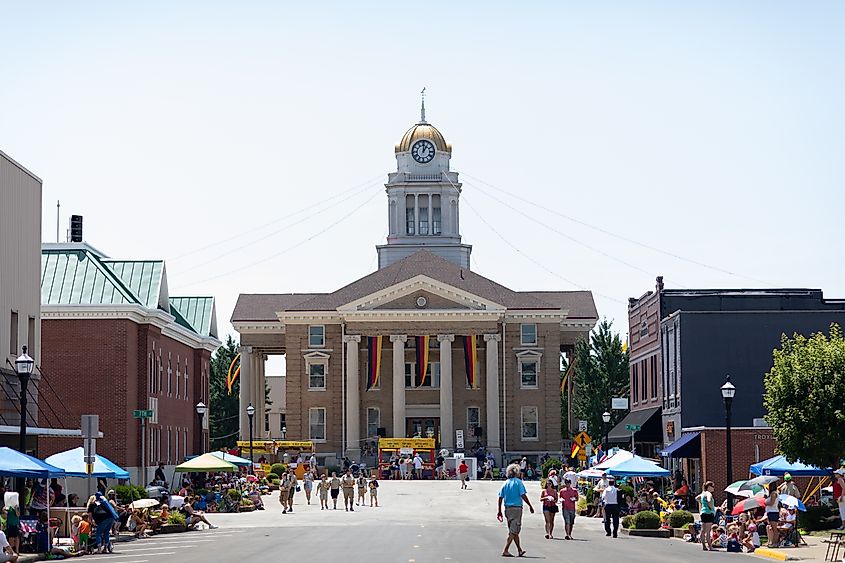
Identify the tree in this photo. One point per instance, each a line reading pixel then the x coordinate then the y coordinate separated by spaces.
pixel 601 373
pixel 805 398
pixel 223 410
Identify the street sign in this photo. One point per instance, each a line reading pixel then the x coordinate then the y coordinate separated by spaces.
pixel 619 404
pixel 588 449
pixel 633 427
pixel 582 439
pixel 582 426
pixel 142 414
pixel 459 439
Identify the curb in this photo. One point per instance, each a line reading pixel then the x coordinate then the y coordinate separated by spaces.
pixel 772 554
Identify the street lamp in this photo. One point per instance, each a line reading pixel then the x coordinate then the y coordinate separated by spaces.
pixel 201 410
pixel 728 392
pixel 250 412
pixel 284 432
pixel 23 367
pixel 605 418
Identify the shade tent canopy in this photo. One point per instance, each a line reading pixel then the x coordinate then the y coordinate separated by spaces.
pixel 15 464
pixel 638 467
pixel 73 464
pixel 614 460
pixel 206 463
pixel 236 460
pixel 779 465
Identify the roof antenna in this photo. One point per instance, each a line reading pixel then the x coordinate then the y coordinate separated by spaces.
pixel 422 106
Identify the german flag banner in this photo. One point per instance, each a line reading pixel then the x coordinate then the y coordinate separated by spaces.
pixel 471 360
pixel 373 361
pixel 231 376
pixel 422 359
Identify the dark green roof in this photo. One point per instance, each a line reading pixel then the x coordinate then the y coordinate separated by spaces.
pixel 198 311
pixel 143 277
pixel 77 277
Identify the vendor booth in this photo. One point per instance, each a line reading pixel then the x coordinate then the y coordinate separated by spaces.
pixel 406 447
pixel 279 451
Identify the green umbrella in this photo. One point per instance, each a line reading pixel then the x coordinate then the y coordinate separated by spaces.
pixel 734 489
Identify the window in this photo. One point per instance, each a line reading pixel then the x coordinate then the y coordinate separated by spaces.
pixel 644 382
pixel 644 328
pixel 473 419
pixel 282 425
pixel 316 376
pixel 432 380
pixel 266 421
pixel 168 445
pixel 635 380
pixel 528 374
pixel 169 378
pixel 316 336
pixel 435 221
pixel 30 333
pixel 178 377
pixel 317 423
pixel 373 421
pixel 653 361
pixel 528 334
pixel 529 423
pixel 13 334
pixel 423 220
pixel 409 221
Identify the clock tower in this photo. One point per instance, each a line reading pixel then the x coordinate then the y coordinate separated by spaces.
pixel 423 199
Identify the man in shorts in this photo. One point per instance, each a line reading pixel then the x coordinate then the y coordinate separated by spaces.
pixel 361 483
pixel 323 487
pixel 568 501
pixel 347 482
pixel 512 495
pixel 334 487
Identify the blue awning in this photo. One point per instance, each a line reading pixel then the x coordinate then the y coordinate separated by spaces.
pixel 688 445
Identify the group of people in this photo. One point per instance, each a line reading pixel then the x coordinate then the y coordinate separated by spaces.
pixel 405 466
pixel 328 487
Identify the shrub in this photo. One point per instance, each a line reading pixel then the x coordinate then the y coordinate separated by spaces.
pixel 680 518
pixel 247 503
pixel 646 520
pixel 176 518
pixel 628 521
pixel 817 518
pixel 234 494
pixel 550 464
pixel 581 505
pixel 626 491
pixel 278 469
pixel 129 493
pixel 591 494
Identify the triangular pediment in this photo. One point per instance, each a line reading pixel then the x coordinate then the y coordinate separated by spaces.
pixel 406 295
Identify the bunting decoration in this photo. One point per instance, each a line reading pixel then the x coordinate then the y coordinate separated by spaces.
pixel 566 375
pixel 470 360
pixel 422 359
pixel 373 361
pixel 232 376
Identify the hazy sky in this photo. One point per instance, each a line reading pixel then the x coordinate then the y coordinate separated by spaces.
pixel 246 142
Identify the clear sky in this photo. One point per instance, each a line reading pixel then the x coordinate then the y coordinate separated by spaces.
pixel 245 142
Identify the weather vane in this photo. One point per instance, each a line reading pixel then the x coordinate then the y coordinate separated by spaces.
pixel 422 105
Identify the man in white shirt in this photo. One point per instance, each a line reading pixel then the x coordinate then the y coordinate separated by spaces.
pixel 570 476
pixel 6 552
pixel 418 465
pixel 610 499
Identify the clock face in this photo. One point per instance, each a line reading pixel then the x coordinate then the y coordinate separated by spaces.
pixel 423 151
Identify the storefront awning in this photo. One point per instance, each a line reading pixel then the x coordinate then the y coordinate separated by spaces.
pixel 688 445
pixel 635 418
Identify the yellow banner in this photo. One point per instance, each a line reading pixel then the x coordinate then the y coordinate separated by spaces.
pixel 416 443
pixel 270 446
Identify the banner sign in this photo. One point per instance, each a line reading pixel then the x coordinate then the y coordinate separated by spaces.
pixel 397 443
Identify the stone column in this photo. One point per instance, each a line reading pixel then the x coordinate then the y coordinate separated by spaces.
pixel 256 396
pixel 491 343
pixel 447 419
pixel 353 398
pixel 245 395
pixel 262 400
pixel 398 341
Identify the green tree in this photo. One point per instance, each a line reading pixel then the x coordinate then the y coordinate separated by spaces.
pixel 805 398
pixel 223 410
pixel 601 373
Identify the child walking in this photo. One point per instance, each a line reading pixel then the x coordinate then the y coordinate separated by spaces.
pixel 373 491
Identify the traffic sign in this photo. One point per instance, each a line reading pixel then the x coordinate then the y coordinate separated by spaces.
pixel 582 455
pixel 582 426
pixel 633 427
pixel 142 414
pixel 582 439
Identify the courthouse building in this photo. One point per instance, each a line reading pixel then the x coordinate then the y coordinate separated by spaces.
pixel 492 354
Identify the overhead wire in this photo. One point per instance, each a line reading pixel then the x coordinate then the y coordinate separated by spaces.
pixel 611 233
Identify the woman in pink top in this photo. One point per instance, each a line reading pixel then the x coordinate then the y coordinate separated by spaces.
pixel 548 496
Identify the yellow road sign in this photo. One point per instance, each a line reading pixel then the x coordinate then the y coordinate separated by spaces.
pixel 582 439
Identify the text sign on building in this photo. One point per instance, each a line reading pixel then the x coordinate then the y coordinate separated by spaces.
pixel 459 439
pixel 619 403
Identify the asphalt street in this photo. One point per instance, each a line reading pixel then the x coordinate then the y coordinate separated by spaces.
pixel 418 522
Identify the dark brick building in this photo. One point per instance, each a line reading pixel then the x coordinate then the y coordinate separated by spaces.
pixel 114 342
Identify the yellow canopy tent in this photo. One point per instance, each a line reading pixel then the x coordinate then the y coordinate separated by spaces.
pixel 206 463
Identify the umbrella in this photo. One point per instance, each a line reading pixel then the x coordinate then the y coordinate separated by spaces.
pixel 752 503
pixel 144 503
pixel 761 480
pixel 734 489
pixel 792 502
pixel 840 471
pixel 73 462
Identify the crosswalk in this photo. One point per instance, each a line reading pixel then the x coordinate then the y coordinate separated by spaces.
pixel 152 549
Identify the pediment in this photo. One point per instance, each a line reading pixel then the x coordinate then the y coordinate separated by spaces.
pixel 438 296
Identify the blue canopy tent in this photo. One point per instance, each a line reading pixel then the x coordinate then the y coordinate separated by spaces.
pixel 637 467
pixel 15 464
pixel 233 459
pixel 779 465
pixel 73 464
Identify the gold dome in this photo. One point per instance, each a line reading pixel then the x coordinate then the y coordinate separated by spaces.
pixel 423 130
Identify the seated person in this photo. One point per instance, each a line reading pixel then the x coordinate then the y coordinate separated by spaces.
pixel 135 523
pixel 73 500
pixel 6 551
pixel 718 537
pixel 193 518
pixel 786 523
pixel 44 543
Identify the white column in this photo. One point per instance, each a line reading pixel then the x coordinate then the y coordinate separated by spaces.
pixel 262 376
pixel 353 398
pixel 398 341
pixel 257 393
pixel 491 343
pixel 447 426
pixel 245 396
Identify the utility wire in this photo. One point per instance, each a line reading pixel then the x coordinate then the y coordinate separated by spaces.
pixel 45 379
pixel 615 235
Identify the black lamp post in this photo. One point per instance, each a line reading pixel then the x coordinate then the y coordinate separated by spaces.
pixel 605 418
pixel 728 392
pixel 201 410
pixel 23 367
pixel 250 412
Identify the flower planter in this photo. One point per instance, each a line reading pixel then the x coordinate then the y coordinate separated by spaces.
pixel 247 508
pixel 660 533
pixel 172 528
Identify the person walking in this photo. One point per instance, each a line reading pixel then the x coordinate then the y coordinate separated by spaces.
pixel 347 483
pixel 361 484
pixel 512 495
pixel 307 485
pixel 463 473
pixel 323 487
pixel 334 487
pixel 708 513
pixel 373 491
pixel 104 516
pixel 292 482
pixel 569 502
pixel 548 496
pixel 610 498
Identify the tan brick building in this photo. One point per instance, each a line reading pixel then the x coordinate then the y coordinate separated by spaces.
pixel 423 287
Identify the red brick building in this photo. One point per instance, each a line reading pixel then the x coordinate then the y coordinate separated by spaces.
pixel 114 342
